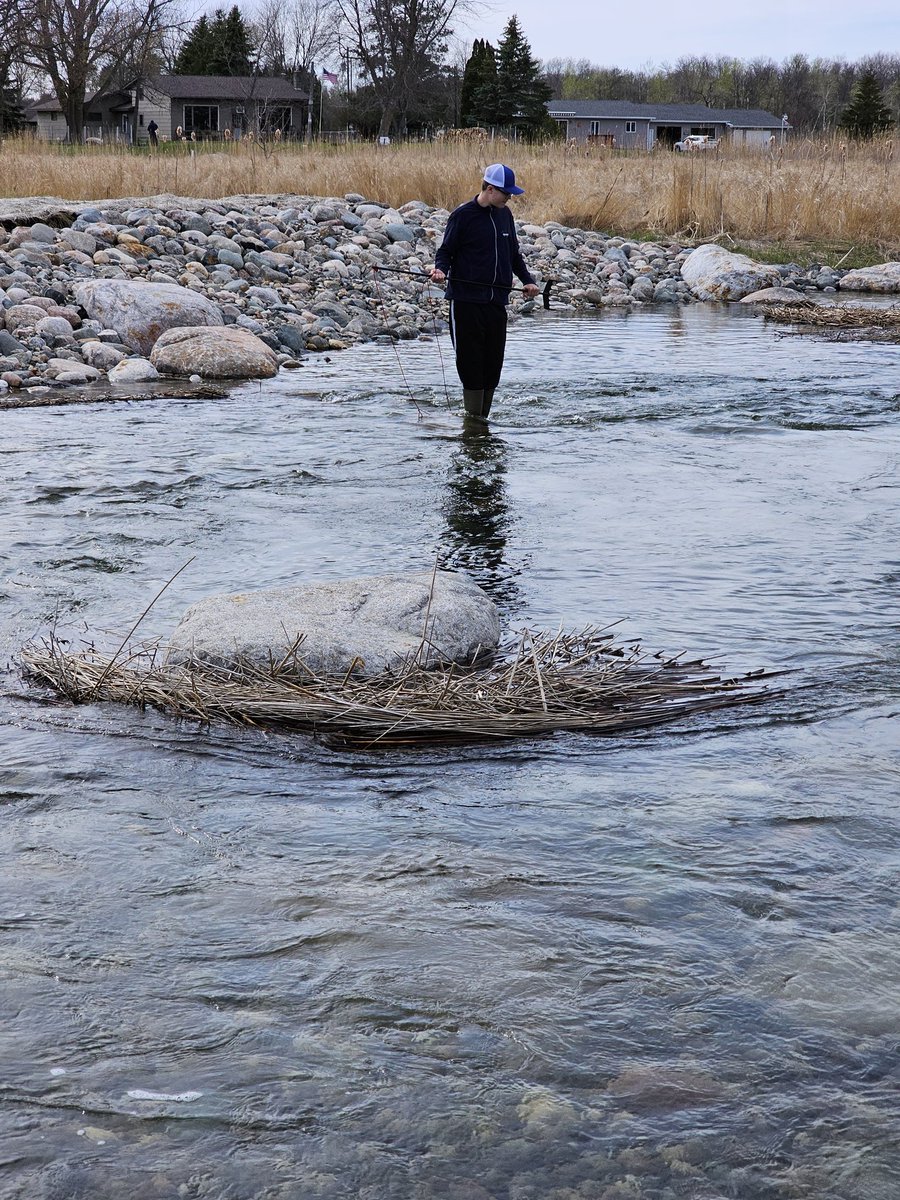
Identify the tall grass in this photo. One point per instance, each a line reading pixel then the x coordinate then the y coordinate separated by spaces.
pixel 816 192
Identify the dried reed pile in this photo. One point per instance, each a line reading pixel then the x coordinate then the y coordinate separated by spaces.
pixel 836 316
pixel 544 683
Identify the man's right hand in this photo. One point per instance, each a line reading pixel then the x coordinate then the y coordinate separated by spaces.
pixel 437 276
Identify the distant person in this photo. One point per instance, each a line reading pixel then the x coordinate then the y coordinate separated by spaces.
pixel 478 256
pixel 153 133
pixel 179 134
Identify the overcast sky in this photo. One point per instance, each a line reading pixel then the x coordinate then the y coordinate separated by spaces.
pixel 652 32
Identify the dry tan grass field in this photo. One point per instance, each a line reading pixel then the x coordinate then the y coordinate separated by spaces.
pixel 826 199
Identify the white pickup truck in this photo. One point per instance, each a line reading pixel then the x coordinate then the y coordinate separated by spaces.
pixel 697 141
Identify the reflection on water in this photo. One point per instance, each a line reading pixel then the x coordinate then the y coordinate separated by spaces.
pixel 240 965
pixel 477 514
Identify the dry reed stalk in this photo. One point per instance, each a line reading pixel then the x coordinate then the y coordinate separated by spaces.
pixel 835 316
pixel 805 190
pixel 565 681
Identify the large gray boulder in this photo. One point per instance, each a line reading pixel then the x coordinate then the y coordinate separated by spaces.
pixel 140 312
pixel 367 625
pixel 713 273
pixel 885 277
pixel 226 353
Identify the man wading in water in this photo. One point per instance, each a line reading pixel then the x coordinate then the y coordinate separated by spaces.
pixel 478 256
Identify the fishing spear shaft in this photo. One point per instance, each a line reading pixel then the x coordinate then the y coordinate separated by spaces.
pixel 545 293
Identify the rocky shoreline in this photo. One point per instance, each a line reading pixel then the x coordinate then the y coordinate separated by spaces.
pixel 275 278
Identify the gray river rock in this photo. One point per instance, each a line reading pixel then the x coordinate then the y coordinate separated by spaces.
pixel 775 295
pixel 714 273
pixel 134 370
pixel 304 273
pixel 882 278
pixel 227 353
pixel 366 625
pixel 139 312
pixel 23 316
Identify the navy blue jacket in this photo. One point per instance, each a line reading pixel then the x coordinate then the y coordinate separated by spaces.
pixel 480 245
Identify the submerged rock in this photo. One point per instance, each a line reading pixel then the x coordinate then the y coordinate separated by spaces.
pixel 367 625
pixel 776 295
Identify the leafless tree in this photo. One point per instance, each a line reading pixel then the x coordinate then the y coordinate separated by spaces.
pixel 398 43
pixel 86 46
pixel 13 26
pixel 298 32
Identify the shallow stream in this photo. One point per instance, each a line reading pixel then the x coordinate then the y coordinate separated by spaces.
pixel 238 964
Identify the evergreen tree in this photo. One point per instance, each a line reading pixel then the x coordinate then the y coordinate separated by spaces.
pixel 233 45
pixel 479 97
pixel 12 118
pixel 221 46
pixel 194 53
pixel 522 91
pixel 866 114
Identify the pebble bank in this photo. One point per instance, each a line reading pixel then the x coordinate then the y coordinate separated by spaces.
pixel 300 273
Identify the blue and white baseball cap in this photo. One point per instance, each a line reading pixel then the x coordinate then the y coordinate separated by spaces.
pixel 503 178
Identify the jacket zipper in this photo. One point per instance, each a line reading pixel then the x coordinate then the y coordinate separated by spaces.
pixel 496 253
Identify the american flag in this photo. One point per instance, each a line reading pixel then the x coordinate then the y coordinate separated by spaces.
pixel 329 76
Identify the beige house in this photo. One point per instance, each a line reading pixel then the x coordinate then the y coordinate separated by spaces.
pixel 205 106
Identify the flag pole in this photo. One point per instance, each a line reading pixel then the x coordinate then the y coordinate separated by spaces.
pixel 311 76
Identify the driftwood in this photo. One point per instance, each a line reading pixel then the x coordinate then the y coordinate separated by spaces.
pixel 163 389
pixel 544 683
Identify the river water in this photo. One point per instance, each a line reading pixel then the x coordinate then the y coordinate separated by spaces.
pixel 239 964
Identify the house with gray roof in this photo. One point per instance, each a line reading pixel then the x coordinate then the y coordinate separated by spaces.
pixel 202 106
pixel 630 126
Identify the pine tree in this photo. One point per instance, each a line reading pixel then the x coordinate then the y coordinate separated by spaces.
pixel 233 45
pixel 222 46
pixel 866 114
pixel 12 118
pixel 523 94
pixel 479 96
pixel 194 53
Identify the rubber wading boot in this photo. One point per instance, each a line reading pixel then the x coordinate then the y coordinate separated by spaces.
pixel 474 401
pixel 488 398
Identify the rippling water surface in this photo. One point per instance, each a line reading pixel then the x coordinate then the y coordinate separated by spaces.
pixel 242 965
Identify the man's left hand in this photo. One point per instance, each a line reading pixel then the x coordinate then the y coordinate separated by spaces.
pixel 530 290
